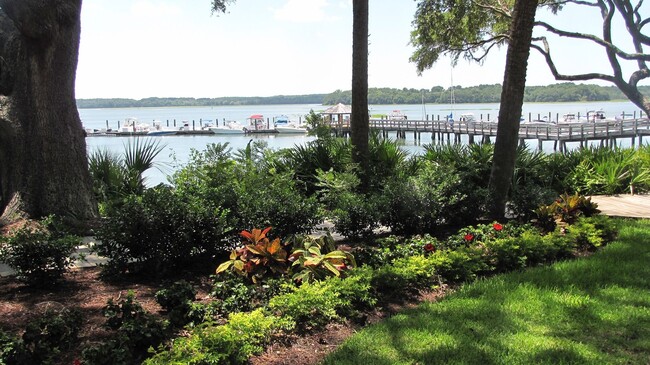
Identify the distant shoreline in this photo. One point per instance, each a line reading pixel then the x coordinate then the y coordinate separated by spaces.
pixel 482 94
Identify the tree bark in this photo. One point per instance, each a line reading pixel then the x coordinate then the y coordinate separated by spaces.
pixel 359 123
pixel 43 162
pixel 512 98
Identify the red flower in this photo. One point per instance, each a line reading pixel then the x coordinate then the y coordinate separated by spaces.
pixel 497 227
pixel 468 237
pixel 429 247
pixel 76 362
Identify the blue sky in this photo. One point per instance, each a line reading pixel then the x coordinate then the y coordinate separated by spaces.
pixel 176 48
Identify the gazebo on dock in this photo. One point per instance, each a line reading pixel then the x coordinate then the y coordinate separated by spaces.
pixel 337 115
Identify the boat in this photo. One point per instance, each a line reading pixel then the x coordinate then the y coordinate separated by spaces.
pixel 159 130
pixel 132 126
pixel 284 126
pixel 397 115
pixel 229 127
pixel 467 118
pixel 257 124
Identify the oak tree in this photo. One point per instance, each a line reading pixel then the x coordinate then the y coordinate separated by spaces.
pixel 43 163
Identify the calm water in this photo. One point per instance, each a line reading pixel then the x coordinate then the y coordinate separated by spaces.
pixel 181 146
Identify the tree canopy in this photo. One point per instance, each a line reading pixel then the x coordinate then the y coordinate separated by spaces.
pixel 471 28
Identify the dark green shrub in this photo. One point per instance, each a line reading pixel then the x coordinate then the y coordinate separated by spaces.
pixel 436 196
pixel 159 232
pixel 39 253
pixel 177 294
pixel 141 328
pixel 47 337
pixel 12 350
pixel 232 294
pixel 355 215
pixel 115 351
pixel 177 301
pixel 526 198
pixel 249 188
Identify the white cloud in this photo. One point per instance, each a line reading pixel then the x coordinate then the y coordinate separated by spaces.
pixel 301 11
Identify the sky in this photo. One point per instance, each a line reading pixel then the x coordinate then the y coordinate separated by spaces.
pixel 178 48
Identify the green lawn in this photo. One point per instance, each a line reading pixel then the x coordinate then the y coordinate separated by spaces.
pixel 594 310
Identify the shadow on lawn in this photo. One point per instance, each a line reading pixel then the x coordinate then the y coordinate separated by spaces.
pixel 592 310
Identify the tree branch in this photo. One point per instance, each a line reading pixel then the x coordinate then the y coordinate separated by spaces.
pixel 590 37
pixel 559 76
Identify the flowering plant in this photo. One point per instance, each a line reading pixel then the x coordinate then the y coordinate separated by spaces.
pixel 259 257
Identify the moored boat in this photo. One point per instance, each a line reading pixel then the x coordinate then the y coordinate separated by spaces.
pixel 285 126
pixel 230 127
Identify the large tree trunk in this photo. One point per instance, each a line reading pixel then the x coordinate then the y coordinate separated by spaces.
pixel 512 99
pixel 43 163
pixel 359 127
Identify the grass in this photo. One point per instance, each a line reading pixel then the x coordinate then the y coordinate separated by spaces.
pixel 594 310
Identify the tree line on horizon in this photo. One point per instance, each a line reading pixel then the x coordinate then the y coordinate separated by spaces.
pixel 564 92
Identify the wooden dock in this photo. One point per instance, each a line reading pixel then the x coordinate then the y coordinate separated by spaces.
pixel 606 131
pixel 635 206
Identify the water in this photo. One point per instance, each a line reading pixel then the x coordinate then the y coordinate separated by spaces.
pixel 180 146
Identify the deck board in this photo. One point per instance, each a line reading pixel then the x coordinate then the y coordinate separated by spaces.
pixel 634 206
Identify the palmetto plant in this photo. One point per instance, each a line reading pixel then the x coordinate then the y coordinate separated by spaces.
pixel 117 175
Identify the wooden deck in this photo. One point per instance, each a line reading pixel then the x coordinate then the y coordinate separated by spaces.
pixel 634 206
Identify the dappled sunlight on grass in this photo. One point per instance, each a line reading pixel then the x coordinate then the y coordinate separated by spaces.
pixel 594 310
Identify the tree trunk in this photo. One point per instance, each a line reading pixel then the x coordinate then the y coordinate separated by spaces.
pixel 512 98
pixel 43 163
pixel 359 124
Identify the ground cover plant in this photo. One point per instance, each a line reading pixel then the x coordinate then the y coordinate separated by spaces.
pixel 588 311
pixel 271 287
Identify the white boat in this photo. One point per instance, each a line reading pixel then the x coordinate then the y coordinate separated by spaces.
pixel 159 130
pixel 397 115
pixel 133 126
pixel 283 125
pixel 230 127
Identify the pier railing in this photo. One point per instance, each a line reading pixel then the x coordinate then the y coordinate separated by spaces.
pixel 605 130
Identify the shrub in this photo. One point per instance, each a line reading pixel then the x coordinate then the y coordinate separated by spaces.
pixel 45 338
pixel 354 214
pixel 39 253
pixel 137 331
pixel 590 233
pixel 12 350
pixel 249 189
pixel 233 343
pixel 319 259
pixel 232 294
pixel 159 232
pixel 259 258
pixel 435 196
pixel 177 301
pixel 463 264
pixel 404 276
pixel 175 295
pixel 355 292
pixel 385 250
pixel 141 328
pixel 310 306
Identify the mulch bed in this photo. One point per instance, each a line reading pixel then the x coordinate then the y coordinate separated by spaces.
pixel 83 289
